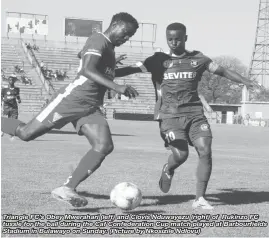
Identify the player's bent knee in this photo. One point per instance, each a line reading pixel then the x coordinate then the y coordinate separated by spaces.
pixel 205 153
pixel 31 130
pixel 24 134
pixel 104 148
pixel 181 156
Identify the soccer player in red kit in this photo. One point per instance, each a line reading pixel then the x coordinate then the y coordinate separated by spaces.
pixel 175 76
pixel 79 103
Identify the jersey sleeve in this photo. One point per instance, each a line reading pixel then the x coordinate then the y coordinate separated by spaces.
pixel 210 65
pixel 95 45
pixel 147 65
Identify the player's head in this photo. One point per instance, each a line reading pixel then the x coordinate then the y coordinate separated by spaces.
pixel 122 27
pixel 176 37
pixel 12 79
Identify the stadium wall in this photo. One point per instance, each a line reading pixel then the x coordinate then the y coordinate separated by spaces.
pixel 255 109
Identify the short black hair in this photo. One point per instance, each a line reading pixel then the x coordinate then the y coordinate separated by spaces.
pixel 124 17
pixel 176 26
pixel 12 78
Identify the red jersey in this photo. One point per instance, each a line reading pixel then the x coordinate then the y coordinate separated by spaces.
pixel 83 91
pixel 176 79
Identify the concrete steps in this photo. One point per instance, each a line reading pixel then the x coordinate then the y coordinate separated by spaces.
pixel 32 96
pixel 64 58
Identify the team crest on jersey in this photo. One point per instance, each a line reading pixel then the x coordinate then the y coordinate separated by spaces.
pixel 168 64
pixel 8 93
pixel 194 63
pixel 204 127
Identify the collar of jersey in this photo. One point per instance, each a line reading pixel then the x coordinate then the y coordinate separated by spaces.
pixel 178 56
pixel 105 37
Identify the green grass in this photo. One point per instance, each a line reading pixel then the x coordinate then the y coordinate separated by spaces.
pixel 238 185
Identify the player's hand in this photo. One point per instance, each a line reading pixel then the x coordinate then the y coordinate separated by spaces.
pixel 253 85
pixel 120 58
pixel 128 91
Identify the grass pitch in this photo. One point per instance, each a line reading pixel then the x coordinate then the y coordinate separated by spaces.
pixel 238 185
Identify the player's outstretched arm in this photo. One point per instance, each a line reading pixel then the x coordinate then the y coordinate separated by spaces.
pixel 121 72
pixel 233 76
pixel 139 67
pixel 89 70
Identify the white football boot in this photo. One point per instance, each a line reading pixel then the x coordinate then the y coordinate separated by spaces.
pixel 201 203
pixel 69 195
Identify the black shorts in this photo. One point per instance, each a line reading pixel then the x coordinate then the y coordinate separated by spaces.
pixel 10 112
pixel 187 128
pixel 60 112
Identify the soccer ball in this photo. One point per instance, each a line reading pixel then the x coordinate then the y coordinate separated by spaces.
pixel 126 196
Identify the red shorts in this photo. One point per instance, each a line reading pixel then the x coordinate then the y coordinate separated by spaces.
pixel 187 128
pixel 61 111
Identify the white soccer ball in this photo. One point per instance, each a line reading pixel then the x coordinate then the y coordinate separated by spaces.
pixel 126 196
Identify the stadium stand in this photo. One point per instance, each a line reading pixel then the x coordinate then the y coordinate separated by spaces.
pixel 32 96
pixel 66 59
pixel 59 56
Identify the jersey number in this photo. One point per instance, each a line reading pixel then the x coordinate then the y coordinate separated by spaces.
pixel 170 136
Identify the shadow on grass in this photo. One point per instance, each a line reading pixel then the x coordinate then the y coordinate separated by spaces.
pixel 47 140
pixel 239 197
pixel 144 211
pixel 159 200
pixel 224 197
pixel 85 209
pixel 97 210
pixel 74 132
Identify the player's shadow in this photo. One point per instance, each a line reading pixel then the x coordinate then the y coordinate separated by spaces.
pixel 106 197
pixel 62 132
pixel 225 197
pixel 93 195
pixel 121 134
pixel 74 132
pixel 88 210
pixel 155 200
pixel 239 196
pixel 101 209
pixel 47 140
pixel 144 211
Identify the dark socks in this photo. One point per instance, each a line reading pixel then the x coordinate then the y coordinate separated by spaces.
pixel 87 165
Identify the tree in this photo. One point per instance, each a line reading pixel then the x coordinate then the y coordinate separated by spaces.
pixel 261 95
pixel 218 89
